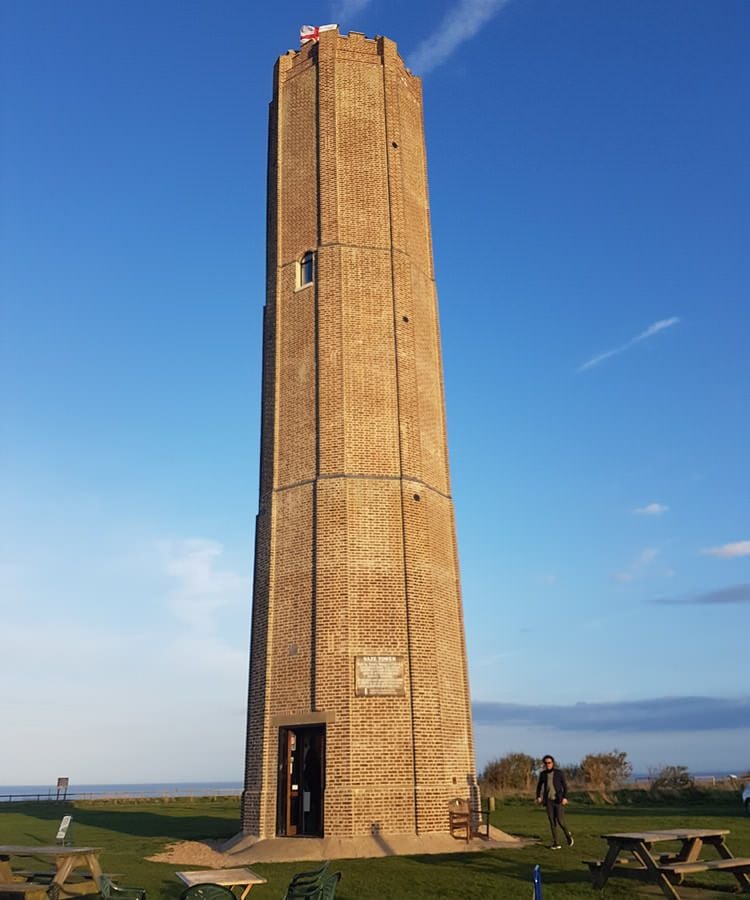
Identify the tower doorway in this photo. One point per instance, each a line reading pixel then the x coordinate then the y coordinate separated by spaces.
pixel 299 811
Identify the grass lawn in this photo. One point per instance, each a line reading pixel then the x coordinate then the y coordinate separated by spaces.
pixel 129 831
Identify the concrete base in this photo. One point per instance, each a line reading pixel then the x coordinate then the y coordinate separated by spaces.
pixel 244 849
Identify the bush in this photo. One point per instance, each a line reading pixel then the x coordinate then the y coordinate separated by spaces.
pixel 512 772
pixel 605 771
pixel 574 775
pixel 676 778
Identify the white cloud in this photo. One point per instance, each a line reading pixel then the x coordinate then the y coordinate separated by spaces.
pixel 145 634
pixel 203 588
pixel 637 566
pixel 85 681
pixel 647 333
pixel 729 551
pixel 547 579
pixel 461 22
pixel 345 9
pixel 652 509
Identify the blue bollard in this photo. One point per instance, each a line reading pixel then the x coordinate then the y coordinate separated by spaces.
pixel 537 883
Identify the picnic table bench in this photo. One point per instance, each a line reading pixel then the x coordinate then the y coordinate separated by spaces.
pixel 669 869
pixel 25 889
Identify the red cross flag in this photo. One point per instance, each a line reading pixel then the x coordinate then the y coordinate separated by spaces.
pixel 310 33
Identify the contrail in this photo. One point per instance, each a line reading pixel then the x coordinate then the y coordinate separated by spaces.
pixel 460 23
pixel 649 332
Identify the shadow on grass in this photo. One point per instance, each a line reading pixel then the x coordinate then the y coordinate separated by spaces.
pixel 519 868
pixel 659 812
pixel 139 823
pixel 169 890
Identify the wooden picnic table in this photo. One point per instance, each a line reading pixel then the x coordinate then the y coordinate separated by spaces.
pixel 231 878
pixel 667 869
pixel 66 860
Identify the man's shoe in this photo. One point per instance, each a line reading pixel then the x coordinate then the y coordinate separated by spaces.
pixel 555 847
pixel 569 838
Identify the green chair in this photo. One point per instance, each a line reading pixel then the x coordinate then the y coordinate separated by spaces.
pixel 322 889
pixel 207 892
pixel 304 884
pixel 111 891
pixel 328 888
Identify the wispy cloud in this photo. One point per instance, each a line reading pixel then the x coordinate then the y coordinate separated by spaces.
pixel 345 9
pixel 649 332
pixel 652 715
pixel 651 509
pixel 461 22
pixel 737 593
pixel 729 551
pixel 203 588
pixel 636 568
pixel 547 579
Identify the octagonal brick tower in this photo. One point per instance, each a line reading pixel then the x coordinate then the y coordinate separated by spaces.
pixel 359 712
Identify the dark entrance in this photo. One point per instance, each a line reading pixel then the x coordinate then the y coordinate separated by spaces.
pixel 299 810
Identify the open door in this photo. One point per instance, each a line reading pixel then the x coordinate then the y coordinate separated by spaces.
pixel 301 781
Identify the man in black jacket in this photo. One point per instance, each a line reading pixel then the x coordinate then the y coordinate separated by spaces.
pixel 552 791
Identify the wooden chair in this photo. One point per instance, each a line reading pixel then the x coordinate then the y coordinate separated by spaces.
pixel 467 822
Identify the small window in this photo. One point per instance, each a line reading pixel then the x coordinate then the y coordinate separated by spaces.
pixel 305 270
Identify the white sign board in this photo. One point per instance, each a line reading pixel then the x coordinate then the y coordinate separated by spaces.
pixel 62 831
pixel 379 676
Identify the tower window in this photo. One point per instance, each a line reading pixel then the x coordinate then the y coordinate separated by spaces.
pixel 305 269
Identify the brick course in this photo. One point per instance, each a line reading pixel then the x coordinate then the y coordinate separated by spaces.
pixel 355 538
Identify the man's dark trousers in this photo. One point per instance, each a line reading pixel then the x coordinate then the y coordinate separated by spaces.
pixel 556 816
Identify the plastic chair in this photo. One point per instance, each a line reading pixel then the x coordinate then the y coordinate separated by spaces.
pixel 324 889
pixel 304 884
pixel 328 888
pixel 111 891
pixel 207 892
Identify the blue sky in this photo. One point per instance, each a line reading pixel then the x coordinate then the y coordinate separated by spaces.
pixel 590 200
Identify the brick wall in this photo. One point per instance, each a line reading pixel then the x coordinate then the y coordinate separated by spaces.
pixel 355 544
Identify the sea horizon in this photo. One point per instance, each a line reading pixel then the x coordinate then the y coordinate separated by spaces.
pixel 227 788
pixel 134 789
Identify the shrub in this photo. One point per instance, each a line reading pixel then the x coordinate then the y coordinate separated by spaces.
pixel 574 775
pixel 675 778
pixel 605 771
pixel 512 772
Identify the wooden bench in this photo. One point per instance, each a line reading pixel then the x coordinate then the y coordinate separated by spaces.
pixel 595 864
pixel 466 821
pixel 734 864
pixel 23 889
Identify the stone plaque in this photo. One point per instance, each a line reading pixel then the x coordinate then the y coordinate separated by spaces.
pixel 379 676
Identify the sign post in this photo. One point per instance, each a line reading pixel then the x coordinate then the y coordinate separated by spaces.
pixel 62 785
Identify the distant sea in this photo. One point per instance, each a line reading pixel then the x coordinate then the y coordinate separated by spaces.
pixel 155 789
pixel 189 788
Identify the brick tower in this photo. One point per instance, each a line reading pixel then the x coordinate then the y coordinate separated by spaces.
pixel 359 715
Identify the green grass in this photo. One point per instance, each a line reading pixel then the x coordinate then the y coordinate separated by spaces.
pixel 129 831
